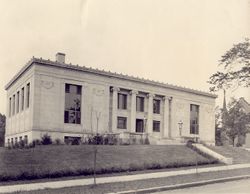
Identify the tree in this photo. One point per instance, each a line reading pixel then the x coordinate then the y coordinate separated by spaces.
pixel 2 128
pixel 236 121
pixel 236 68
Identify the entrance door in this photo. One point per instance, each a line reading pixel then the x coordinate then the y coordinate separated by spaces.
pixel 139 126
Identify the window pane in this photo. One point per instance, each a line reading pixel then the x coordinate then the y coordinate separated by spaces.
pixel 22 98
pixel 156 126
pixel 194 119
pixel 121 122
pixel 72 112
pixel 156 106
pixel 139 104
pixel 17 106
pixel 122 101
pixel 28 95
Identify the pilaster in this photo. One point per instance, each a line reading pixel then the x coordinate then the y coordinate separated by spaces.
pixel 149 129
pixel 133 94
pixel 115 91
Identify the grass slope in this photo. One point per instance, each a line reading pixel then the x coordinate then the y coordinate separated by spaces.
pixel 57 161
pixel 238 154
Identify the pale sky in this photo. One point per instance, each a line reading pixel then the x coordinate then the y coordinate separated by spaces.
pixel 173 41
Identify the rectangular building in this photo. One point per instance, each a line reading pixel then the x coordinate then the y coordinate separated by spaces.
pixel 67 101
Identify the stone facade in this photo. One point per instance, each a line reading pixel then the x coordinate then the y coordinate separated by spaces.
pixel 99 104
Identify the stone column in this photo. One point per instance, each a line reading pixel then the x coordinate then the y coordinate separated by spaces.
pixel 170 116
pixel 149 129
pixel 133 110
pixel 114 108
pixel 167 117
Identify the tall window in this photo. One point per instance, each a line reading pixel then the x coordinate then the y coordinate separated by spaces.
pixel 194 119
pixel 22 98
pixel 140 104
pixel 121 122
pixel 122 101
pixel 28 96
pixel 156 106
pixel 72 112
pixel 156 126
pixel 14 105
pixel 17 101
pixel 10 107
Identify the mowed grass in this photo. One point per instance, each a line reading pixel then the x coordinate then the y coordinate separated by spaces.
pixel 57 161
pixel 238 154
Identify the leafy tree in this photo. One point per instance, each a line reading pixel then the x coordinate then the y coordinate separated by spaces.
pixel 218 128
pixel 236 68
pixel 236 121
pixel 2 128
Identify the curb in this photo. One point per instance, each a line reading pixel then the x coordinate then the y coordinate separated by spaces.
pixel 182 186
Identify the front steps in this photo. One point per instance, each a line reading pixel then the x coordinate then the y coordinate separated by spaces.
pixel 166 141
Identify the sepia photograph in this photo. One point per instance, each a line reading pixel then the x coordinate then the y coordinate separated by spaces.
pixel 124 96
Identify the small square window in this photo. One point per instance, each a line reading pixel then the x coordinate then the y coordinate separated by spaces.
pixel 156 126
pixel 121 122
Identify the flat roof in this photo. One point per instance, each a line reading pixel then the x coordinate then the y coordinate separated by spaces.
pixel 103 73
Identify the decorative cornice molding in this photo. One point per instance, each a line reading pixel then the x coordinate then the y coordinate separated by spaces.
pixel 150 95
pixel 114 88
pixel 44 62
pixel 135 92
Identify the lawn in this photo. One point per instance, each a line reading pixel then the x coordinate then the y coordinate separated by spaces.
pixel 238 154
pixel 141 184
pixel 57 161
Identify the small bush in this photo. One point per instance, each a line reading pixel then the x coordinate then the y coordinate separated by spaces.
pixel 58 141
pixel 46 139
pixel 146 142
pixel 75 141
pixel 98 139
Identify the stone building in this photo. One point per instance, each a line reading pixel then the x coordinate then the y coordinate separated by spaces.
pixel 67 101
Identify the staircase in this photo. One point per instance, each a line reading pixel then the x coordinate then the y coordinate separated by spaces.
pixel 167 141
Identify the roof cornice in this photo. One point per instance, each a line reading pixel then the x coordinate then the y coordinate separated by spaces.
pixel 103 73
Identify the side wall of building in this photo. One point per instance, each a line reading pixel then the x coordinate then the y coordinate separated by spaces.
pixel 19 113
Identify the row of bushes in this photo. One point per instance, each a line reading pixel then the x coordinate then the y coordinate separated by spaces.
pixel 98 139
pixel 90 171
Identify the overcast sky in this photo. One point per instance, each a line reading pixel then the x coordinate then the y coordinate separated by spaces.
pixel 174 41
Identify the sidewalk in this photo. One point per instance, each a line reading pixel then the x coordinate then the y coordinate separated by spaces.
pixel 114 179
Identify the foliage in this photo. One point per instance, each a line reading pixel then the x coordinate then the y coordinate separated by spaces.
pixel 2 128
pixel 236 120
pixel 236 68
pixel 46 139
pixel 218 127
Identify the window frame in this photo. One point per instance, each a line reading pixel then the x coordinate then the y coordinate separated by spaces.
pixel 27 95
pixel 73 112
pixel 124 125
pixel 156 106
pixel 141 106
pixel 158 124
pixel 194 127
pixel 122 101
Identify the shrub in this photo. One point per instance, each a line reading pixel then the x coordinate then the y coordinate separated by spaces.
pixel 147 141
pixel 22 144
pixel 46 139
pixel 98 139
pixel 75 141
pixel 58 141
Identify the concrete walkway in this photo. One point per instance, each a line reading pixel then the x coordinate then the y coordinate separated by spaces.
pixel 113 179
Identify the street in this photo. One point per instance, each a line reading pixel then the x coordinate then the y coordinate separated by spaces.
pixel 239 187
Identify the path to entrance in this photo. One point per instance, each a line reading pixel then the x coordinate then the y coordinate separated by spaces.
pixel 113 179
